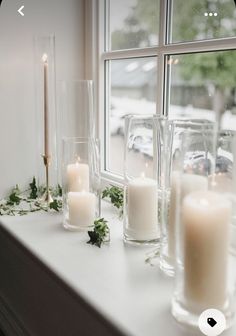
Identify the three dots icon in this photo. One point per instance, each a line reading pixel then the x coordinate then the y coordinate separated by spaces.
pixel 210 14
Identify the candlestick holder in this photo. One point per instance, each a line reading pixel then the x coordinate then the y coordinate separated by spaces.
pixel 81 183
pixel 47 196
pixel 143 138
pixel 205 262
pixel 170 160
pixel 46 126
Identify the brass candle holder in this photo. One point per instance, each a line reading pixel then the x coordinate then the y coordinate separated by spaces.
pixel 47 196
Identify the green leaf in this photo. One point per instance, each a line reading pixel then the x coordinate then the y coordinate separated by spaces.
pixel 34 189
pixel 95 239
pixel 116 196
pixel 55 205
pixel 14 198
pixel 99 233
pixel 58 191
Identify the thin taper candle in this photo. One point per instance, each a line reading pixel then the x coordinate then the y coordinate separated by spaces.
pixel 46 128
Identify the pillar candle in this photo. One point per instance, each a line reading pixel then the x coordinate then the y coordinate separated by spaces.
pixel 81 206
pixel 142 209
pixel 78 177
pixel 189 183
pixel 206 219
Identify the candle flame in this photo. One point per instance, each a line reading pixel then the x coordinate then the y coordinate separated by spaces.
pixel 78 159
pixel 45 58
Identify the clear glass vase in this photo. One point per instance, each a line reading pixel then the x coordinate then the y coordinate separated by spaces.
pixel 205 258
pixel 81 183
pixel 171 154
pixel 75 111
pixel 143 136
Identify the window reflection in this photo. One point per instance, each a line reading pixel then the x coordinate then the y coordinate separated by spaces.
pixel 133 91
pixel 203 86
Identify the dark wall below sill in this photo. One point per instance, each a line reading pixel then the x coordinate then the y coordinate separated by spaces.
pixel 34 301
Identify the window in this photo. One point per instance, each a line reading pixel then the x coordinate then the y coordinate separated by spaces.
pixel 171 57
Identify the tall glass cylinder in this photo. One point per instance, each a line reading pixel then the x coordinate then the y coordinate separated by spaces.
pixel 81 183
pixel 75 110
pixel 205 262
pixel 224 178
pixel 46 153
pixel 169 191
pixel 143 136
pixel 76 113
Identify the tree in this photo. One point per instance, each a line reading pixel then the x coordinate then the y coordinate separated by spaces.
pixel 216 68
pixel 139 26
pixel 190 23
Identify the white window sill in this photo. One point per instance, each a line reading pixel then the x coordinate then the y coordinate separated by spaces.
pixel 53 283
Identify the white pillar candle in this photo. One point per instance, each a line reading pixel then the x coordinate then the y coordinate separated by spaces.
pixel 78 177
pixel 189 183
pixel 142 209
pixel 82 208
pixel 205 222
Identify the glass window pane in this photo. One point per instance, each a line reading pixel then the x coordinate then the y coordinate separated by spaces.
pixel 202 19
pixel 132 23
pixel 132 90
pixel 203 86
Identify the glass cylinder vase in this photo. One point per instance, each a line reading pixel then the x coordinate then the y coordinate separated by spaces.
pixel 46 130
pixel 75 111
pixel 205 262
pixel 141 173
pixel 81 183
pixel 171 161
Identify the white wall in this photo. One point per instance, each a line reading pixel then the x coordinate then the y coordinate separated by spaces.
pixel 65 18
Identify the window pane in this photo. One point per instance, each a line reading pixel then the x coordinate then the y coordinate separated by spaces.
pixel 132 90
pixel 133 23
pixel 203 86
pixel 203 19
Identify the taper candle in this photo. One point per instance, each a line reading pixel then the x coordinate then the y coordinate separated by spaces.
pixel 45 94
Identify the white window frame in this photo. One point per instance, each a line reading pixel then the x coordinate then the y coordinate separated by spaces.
pixel 96 57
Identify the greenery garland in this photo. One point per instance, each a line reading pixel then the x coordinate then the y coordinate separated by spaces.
pixel 24 202
pixel 30 200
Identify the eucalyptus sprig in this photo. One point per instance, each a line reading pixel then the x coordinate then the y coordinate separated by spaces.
pixel 24 202
pixel 100 233
pixel 116 196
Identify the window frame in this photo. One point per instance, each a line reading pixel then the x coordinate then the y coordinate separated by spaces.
pixel 98 13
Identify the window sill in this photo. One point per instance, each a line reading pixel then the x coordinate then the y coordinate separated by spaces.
pixel 53 283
